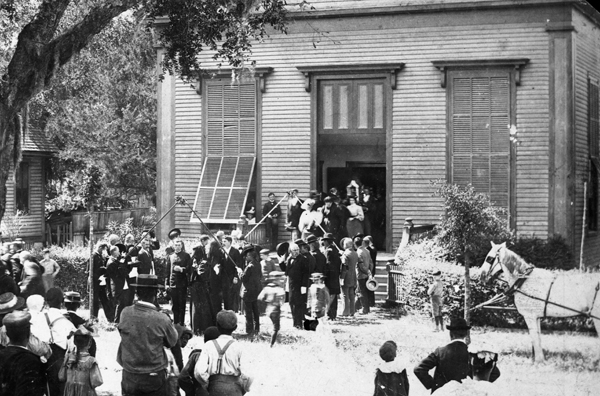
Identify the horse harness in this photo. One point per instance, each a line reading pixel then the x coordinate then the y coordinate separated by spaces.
pixel 516 288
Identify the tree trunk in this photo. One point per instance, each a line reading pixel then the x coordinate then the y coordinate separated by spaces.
pixel 467 316
pixel 91 267
pixel 10 136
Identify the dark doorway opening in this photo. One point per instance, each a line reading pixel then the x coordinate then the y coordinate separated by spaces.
pixel 370 177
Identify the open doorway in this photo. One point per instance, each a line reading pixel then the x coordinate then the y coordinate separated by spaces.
pixel 371 178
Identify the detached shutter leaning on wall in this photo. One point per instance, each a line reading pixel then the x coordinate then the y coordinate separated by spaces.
pixel 230 155
pixel 479 129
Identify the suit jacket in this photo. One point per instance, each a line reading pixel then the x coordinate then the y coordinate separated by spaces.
pixel 182 259
pixel 320 261
pixel 294 212
pixel 251 282
pixel 270 205
pixel 333 218
pixel 451 362
pixel 296 270
pixel 144 262
pixel 197 257
pixel 349 262
pixel 332 269
pixel 117 271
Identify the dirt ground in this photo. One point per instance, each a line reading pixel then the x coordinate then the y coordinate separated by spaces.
pixel 343 361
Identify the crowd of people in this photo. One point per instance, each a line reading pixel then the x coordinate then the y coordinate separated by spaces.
pixel 47 351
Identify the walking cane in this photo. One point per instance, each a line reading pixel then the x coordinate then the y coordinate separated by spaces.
pixel 267 215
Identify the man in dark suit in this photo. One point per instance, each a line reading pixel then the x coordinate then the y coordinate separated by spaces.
pixel 117 271
pixel 451 362
pixel 144 258
pixel 179 265
pixel 296 269
pixel 272 222
pixel 333 265
pixel 332 218
pixel 232 256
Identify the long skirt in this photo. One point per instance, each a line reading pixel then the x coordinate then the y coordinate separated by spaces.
pixel 201 316
pixel 354 227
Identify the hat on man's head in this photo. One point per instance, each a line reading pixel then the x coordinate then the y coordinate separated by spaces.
pixel 174 233
pixel 300 242
pixel 46 250
pixel 73 297
pixel 82 331
pixel 458 324
pixel 437 273
pixel 9 302
pixel 133 252
pixel 388 351
pixel 276 274
pixel 150 232
pixel 328 236
pixel 17 320
pixel 248 248
pixel 122 248
pixel 265 251
pixel 147 280
pixel 227 319
pixel 311 238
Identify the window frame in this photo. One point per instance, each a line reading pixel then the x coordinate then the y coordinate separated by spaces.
pixel 18 177
pixel 484 70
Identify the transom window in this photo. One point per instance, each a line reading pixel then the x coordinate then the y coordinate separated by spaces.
pixel 351 106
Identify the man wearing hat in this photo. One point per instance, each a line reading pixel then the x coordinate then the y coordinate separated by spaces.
pixel 145 332
pixel 294 211
pixel 266 265
pixel 232 267
pixel 118 272
pixel 451 362
pixel 179 265
pixel 7 283
pixel 21 371
pixel 310 220
pixel 272 221
pixel 251 288
pixel 305 251
pixel 273 295
pixel 315 251
pixel 218 366
pixel 318 296
pixel 333 217
pixel 333 265
pixel 101 283
pixel 296 269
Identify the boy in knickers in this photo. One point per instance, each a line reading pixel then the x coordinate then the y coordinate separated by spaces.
pixel 436 292
pixel 273 295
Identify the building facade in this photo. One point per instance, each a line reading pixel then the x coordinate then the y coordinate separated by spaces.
pixel 394 95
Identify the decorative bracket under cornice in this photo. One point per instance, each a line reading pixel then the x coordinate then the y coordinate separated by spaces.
pixel 444 65
pixel 391 68
pixel 260 72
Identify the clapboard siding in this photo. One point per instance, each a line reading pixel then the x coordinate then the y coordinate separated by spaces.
pixel 418 129
pixel 33 222
pixel 188 153
pixel 586 63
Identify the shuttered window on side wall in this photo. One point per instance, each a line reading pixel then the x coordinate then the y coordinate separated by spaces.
pixel 480 118
pixel 594 148
pixel 230 150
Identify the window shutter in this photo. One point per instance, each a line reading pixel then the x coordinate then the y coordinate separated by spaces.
pixel 230 140
pixel 480 141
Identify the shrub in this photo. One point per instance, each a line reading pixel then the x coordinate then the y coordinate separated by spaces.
pixel 553 253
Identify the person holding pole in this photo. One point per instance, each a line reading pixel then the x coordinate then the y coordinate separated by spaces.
pixel 272 211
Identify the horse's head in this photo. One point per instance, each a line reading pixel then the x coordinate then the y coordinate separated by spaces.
pixel 491 266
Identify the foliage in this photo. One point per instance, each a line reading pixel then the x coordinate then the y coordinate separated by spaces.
pixel 225 27
pixel 102 109
pixel 43 36
pixel 11 225
pixel 553 253
pixel 469 222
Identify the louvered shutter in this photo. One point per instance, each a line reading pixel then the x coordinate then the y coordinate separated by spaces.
pixel 230 139
pixel 480 139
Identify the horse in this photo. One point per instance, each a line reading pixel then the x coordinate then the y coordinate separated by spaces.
pixel 540 293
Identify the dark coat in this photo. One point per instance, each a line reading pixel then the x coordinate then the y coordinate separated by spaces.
pixel 8 285
pixel 297 271
pixel 98 267
pixel 117 271
pixel 144 262
pixel 294 213
pixel 251 282
pixel 333 218
pixel 270 205
pixel 451 362
pixel 197 257
pixel 332 269
pixel 21 372
pixel 32 279
pixel 183 260
pixel 320 261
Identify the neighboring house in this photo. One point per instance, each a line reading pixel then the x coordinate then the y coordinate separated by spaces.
pixel 500 94
pixel 26 192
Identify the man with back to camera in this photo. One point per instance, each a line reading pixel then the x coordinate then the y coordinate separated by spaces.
pixel 451 362
pixel 145 332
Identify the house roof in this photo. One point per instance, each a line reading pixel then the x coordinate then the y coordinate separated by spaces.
pixel 36 141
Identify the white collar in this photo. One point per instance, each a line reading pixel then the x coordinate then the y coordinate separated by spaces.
pixel 459 340
pixel 146 304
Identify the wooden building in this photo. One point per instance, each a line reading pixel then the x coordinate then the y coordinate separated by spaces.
pixel 26 191
pixel 500 94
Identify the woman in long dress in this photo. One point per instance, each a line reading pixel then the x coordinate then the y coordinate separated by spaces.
pixel 354 224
